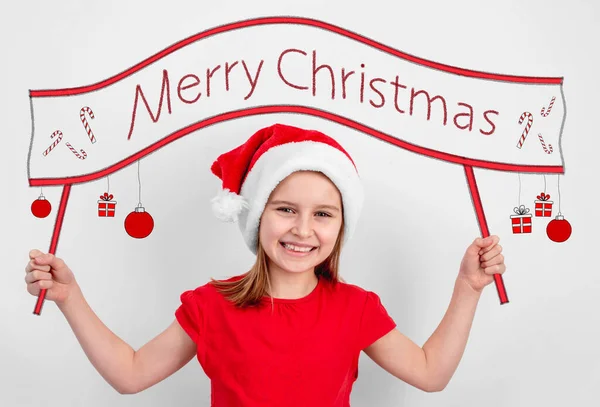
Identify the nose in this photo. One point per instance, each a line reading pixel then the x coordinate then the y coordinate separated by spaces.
pixel 303 226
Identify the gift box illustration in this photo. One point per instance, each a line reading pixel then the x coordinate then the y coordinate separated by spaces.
pixel 521 221
pixel 543 206
pixel 106 206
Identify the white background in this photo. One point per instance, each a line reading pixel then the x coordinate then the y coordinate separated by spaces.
pixel 539 349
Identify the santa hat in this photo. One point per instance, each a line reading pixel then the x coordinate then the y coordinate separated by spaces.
pixel 251 171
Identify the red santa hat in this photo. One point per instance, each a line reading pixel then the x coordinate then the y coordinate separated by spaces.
pixel 251 171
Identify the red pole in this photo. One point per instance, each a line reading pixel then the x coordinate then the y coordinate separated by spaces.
pixel 483 227
pixel 54 242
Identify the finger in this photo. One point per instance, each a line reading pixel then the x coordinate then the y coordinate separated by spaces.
pixel 51 260
pixel 476 246
pixel 490 242
pixel 497 269
pixel 36 275
pixel 34 253
pixel 32 265
pixel 493 252
pixel 496 260
pixel 35 288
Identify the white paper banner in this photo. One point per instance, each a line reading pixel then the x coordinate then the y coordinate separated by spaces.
pixel 281 65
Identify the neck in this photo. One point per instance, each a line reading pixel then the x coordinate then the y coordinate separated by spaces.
pixel 287 285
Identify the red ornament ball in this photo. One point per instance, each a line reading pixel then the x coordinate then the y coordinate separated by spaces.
pixel 559 229
pixel 139 224
pixel 41 207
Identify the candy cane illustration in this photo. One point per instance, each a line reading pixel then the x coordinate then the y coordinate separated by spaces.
pixel 86 125
pixel 58 139
pixel 545 112
pixel 547 150
pixel 81 156
pixel 529 117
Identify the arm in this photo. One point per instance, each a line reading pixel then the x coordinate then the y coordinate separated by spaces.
pixel 430 368
pixel 446 346
pixel 126 370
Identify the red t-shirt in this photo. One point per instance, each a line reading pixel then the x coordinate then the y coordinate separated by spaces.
pixel 303 354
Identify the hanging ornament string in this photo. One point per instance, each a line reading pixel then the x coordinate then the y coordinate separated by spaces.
pixel 559 214
pixel 139 187
pixel 544 183
pixel 519 174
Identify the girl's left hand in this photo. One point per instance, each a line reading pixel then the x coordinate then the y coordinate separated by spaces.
pixel 482 259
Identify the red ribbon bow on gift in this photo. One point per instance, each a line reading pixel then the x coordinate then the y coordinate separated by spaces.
pixel 543 197
pixel 106 197
pixel 521 210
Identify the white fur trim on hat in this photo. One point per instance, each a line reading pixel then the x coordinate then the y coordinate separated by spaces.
pixel 278 162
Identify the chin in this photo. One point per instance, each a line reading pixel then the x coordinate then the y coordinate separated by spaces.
pixel 296 270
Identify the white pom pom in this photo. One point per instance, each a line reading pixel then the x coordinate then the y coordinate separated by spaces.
pixel 228 205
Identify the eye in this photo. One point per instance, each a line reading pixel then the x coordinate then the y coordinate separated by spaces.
pixel 283 209
pixel 325 214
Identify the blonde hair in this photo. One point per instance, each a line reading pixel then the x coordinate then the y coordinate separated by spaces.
pixel 252 287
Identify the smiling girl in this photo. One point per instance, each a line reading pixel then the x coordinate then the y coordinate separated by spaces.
pixel 288 332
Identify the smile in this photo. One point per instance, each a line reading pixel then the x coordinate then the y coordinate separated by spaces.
pixel 298 250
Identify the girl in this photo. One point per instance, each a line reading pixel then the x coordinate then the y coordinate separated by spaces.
pixel 288 332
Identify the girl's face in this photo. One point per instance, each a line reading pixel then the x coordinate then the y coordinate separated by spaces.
pixel 301 222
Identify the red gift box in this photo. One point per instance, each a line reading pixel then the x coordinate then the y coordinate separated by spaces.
pixel 106 206
pixel 543 206
pixel 521 222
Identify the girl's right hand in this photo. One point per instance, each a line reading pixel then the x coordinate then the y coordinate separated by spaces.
pixel 45 270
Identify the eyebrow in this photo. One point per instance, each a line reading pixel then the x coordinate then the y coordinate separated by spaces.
pixel 332 207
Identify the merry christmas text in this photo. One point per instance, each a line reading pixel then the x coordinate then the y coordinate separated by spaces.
pixel 322 79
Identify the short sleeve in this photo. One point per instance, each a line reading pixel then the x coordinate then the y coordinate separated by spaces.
pixel 190 313
pixel 375 321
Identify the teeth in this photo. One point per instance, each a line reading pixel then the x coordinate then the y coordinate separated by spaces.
pixel 296 248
